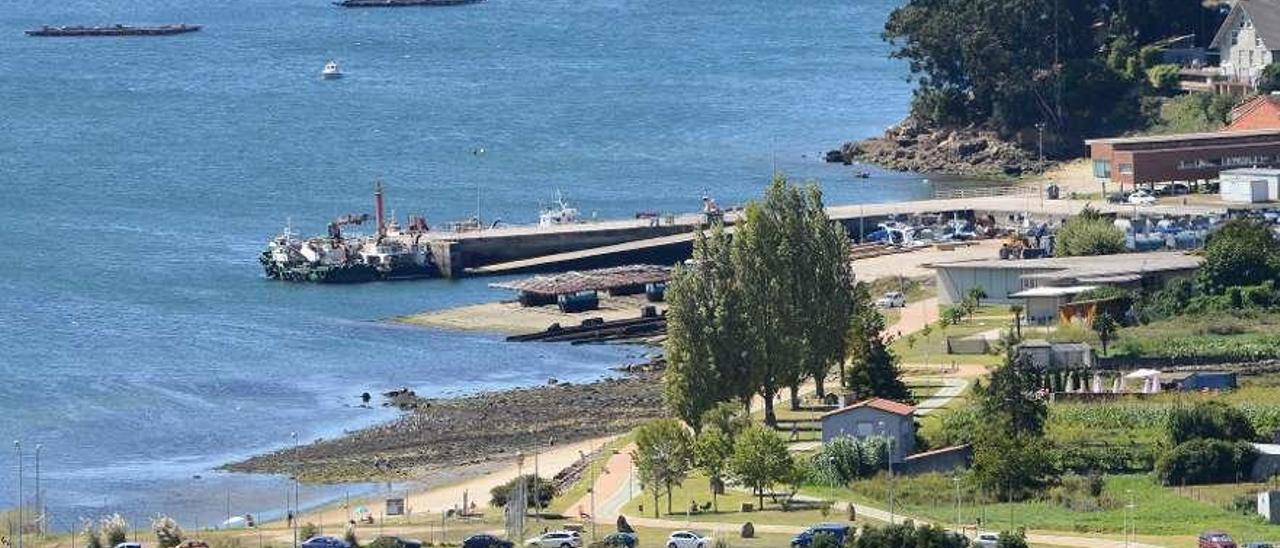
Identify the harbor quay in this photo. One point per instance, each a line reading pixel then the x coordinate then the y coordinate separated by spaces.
pixel 665 240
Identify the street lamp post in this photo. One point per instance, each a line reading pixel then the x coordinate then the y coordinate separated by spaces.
pixel 297 506
pixel 1128 509
pixel 39 496
pixel 958 526
pixel 17 447
pixel 889 440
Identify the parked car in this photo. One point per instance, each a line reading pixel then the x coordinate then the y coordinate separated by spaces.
pixel 1142 197
pixel 486 541
pixel 892 299
pixel 986 540
pixel 396 542
pixel 621 540
pixel 556 539
pixel 1259 545
pixel 1175 189
pixel 687 539
pixel 129 545
pixel 1117 198
pixel 836 530
pixel 1216 539
pixel 325 542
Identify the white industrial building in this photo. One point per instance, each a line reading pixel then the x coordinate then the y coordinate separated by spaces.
pixel 1249 185
pixel 1053 281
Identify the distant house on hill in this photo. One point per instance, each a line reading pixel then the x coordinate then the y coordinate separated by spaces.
pixel 874 418
pixel 1248 39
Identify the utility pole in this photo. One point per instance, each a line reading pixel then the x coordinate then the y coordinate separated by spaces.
pixel 17 447
pixel 39 497
pixel 297 507
pixel 1040 144
pixel 958 526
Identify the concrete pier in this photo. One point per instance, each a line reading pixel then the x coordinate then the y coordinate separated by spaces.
pixel 610 243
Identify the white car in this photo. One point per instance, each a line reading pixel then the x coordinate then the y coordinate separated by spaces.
pixel 986 540
pixel 892 299
pixel 687 539
pixel 1142 197
pixel 556 539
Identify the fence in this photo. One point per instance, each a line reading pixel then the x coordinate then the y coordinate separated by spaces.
pixel 985 192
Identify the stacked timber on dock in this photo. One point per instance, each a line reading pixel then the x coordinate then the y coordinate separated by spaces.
pixel 622 280
pixel 867 251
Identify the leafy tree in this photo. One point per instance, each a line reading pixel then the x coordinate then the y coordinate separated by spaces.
pixel 728 418
pixel 865 326
pixel 1208 420
pixel 116 529
pixel 875 374
pixel 976 293
pixel 704 367
pixel 1164 78
pixel 538 492
pixel 1088 233
pixel 1270 79
pixel 1241 252
pixel 89 529
pixel 1105 326
pixel 760 460
pixel 1202 461
pixel 1012 466
pixel 711 453
pixel 663 457
pixel 168 533
pixel 1193 112
pixel 1011 396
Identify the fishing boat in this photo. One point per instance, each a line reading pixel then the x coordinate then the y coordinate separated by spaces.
pixel 331 71
pixel 561 213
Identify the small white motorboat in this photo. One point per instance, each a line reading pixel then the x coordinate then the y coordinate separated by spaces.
pixel 331 71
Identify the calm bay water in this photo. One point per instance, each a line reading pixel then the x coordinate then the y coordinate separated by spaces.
pixel 139 343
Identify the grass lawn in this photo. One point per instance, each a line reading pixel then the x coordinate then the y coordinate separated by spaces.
pixel 697 490
pixel 931 349
pixel 1158 511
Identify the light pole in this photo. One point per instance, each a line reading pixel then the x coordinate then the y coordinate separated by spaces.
pixel 520 483
pixel 1128 509
pixel 889 441
pixel 17 447
pixel 1040 144
pixel 39 497
pixel 297 506
pixel 958 526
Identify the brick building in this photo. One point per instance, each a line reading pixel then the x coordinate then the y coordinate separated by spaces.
pixel 1154 159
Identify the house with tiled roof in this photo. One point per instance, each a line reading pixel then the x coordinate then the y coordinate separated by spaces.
pixel 874 418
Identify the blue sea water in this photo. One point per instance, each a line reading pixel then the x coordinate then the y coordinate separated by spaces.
pixel 140 177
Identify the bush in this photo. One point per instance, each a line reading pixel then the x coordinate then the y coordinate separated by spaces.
pixel 1241 253
pixel 845 459
pixel 1088 233
pixel 1012 540
pixel 1163 78
pixel 907 535
pixel 307 531
pixel 168 533
pixel 1270 79
pixel 1208 420
pixel 116 529
pixel 545 491
pixel 1203 461
pixel 824 540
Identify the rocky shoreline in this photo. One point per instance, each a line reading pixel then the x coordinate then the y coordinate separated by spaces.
pixel 436 434
pixel 915 146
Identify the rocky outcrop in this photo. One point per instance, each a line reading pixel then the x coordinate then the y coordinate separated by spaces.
pixel 914 146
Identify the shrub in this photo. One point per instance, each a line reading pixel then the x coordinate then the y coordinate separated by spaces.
pixel 89 530
pixel 908 535
pixel 1163 78
pixel 1243 252
pixel 1088 233
pixel 168 533
pixel 845 459
pixel 350 538
pixel 308 530
pixel 1016 539
pixel 1208 420
pixel 545 491
pixel 824 540
pixel 1203 461
pixel 116 529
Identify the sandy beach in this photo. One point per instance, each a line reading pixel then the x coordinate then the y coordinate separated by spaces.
pixel 508 317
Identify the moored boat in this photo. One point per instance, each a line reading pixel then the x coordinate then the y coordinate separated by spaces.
pixel 113 30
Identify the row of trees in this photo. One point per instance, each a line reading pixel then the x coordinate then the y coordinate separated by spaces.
pixel 769 306
pixel 752 456
pixel 1241 264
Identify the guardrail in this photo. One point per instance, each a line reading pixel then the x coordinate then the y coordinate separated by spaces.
pixel 985 192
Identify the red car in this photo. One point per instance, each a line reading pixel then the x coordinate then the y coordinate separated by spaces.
pixel 1216 539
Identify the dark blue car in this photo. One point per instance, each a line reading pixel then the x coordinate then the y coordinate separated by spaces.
pixel 836 530
pixel 325 542
pixel 486 541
